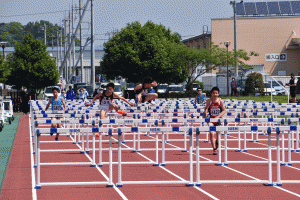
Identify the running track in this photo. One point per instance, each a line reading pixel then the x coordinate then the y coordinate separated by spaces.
pixel 20 177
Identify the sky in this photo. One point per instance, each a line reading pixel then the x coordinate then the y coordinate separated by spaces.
pixel 187 17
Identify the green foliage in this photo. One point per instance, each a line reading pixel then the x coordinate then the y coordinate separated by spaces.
pixel 146 51
pixel 200 83
pixel 210 59
pixel 14 32
pixel 254 83
pixel 30 66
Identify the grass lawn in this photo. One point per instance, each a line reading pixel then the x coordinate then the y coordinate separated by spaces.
pixel 278 99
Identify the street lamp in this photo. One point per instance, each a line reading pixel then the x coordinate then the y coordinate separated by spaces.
pixel 233 3
pixel 3 45
pixel 227 45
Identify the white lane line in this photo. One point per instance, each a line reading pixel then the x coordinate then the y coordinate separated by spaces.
pixel 298 195
pixel 104 175
pixel 33 190
pixel 182 179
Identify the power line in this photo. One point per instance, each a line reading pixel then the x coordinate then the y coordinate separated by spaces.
pixel 35 14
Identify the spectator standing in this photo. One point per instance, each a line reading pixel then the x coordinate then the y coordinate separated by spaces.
pixel 82 94
pixel 24 101
pixel 292 85
pixel 71 94
pixel 233 87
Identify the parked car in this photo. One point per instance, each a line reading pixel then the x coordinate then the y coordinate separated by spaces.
pixel 195 86
pixel 279 87
pixel 162 88
pixel 175 88
pixel 130 86
pixel 48 92
pixel 268 90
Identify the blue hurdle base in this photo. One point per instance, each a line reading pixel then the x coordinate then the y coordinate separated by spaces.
pixel 238 150
pixel 123 142
pixel 94 165
pixel 269 184
pixel 110 185
pixel 37 187
pixel 119 185
pixel 283 164
pixel 155 164
pixel 294 150
pixel 184 151
pixel 100 165
pixel 34 166
pixel 81 151
pixel 33 153
pixel 138 151
pixel 198 184
pixel 190 185
pixel 207 141
pixel 244 150
pixel 289 164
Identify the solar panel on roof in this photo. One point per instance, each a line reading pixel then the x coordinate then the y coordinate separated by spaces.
pixel 296 6
pixel 250 8
pixel 262 8
pixel 240 9
pixel 285 7
pixel 273 7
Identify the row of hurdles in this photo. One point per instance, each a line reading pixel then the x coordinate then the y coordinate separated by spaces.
pixel 78 126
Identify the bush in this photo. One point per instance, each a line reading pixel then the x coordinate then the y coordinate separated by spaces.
pixel 254 83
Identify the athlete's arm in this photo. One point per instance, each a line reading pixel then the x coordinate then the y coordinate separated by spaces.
pixel 223 110
pixel 123 99
pixel 138 88
pixel 196 99
pixel 94 99
pixel 206 107
pixel 63 102
pixel 49 102
pixel 154 84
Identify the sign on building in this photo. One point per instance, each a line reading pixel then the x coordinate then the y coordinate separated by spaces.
pixel 275 57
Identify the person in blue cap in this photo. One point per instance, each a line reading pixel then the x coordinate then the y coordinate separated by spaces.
pixel 200 98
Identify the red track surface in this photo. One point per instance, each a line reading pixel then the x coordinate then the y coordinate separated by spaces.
pixel 18 185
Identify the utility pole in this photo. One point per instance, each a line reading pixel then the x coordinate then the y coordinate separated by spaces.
pixel 81 55
pixel 70 47
pixel 63 67
pixel 92 46
pixel 73 63
pixel 57 35
pixel 76 31
pixel 233 3
pixel 45 34
pixel 61 45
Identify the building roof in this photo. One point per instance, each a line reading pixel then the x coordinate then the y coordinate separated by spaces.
pixel 196 37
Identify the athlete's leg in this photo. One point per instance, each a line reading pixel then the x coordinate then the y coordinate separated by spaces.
pixel 102 116
pixel 151 96
pixel 113 106
pixel 212 136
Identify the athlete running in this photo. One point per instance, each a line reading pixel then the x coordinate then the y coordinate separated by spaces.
pixel 216 109
pixel 141 91
pixel 200 98
pixel 106 101
pixel 56 103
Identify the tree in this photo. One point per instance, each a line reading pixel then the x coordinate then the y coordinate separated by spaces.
pixel 14 32
pixel 30 66
pixel 254 83
pixel 151 50
pixel 210 59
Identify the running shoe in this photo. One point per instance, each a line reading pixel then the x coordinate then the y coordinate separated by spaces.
pixel 122 112
pixel 152 103
pixel 215 152
pixel 56 139
pixel 51 134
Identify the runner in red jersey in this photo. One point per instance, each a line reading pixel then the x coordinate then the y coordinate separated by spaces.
pixel 216 109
